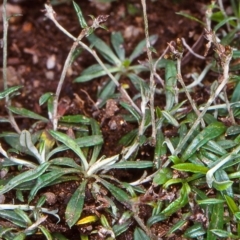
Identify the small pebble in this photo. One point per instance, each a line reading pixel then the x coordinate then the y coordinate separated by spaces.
pixel 50 198
pixel 3 173
pixel 51 62
pixel 2 198
pixel 49 75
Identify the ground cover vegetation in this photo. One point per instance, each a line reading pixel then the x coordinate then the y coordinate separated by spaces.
pixel 189 179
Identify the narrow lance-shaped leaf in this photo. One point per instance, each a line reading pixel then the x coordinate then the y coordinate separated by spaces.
pixel 80 15
pixel 170 118
pixel 95 71
pixel 216 221
pixel 190 167
pixel 141 47
pixel 97 148
pixel 118 193
pixel 171 81
pixel 133 164
pixel 44 98
pixel 117 42
pixel 219 164
pixel 69 142
pixel 104 50
pixel 24 177
pixel 13 217
pixel 26 113
pixel 139 234
pixel 212 131
pixel 48 178
pixel 9 91
pixel 75 205
pixel 46 232
pixel 26 141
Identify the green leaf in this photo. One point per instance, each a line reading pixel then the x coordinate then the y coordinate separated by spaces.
pixel 139 234
pixel 212 131
pixel 13 217
pixel 221 233
pixel 173 181
pixel 155 219
pixel 160 148
pixel 233 130
pixel 121 228
pixel 26 113
pixel 117 42
pixel 9 91
pixel 133 164
pixel 75 205
pixel 216 221
pixel 81 19
pixel 45 232
pixel 223 185
pixel 190 167
pixel 170 118
pixel 179 202
pixel 26 141
pixel 141 47
pixel 87 141
pixel 94 71
pixel 59 236
pixel 44 98
pixel 75 119
pixel 231 204
pixel 69 142
pixel 47 178
pixel 129 138
pixel 97 148
pixel 195 231
pixel 24 177
pixel 131 110
pixel 190 17
pixel 223 22
pixel 118 193
pixel 106 92
pixel 171 81
pixel 162 176
pixel 177 226
pixel 65 161
pixel 104 50
pixel 137 81
pixel 23 215
pixel 20 236
pixel 210 201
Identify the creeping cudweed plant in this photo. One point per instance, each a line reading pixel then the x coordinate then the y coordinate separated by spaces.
pixel 191 172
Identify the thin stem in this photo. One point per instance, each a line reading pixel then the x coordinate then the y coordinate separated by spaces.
pixel 179 77
pixel 151 67
pixel 5 34
pixel 230 111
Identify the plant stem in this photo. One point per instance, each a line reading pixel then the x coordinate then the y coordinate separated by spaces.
pixel 5 33
pixel 179 77
pixel 151 67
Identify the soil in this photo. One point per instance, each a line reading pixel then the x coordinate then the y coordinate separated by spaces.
pixel 37 50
